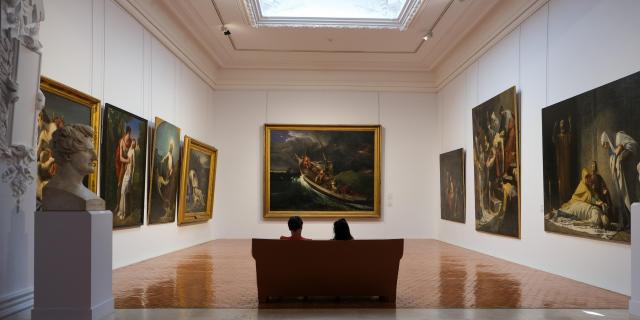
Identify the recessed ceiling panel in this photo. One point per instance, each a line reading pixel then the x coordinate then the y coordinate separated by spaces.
pixel 391 14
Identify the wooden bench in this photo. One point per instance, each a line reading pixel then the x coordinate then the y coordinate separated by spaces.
pixel 327 268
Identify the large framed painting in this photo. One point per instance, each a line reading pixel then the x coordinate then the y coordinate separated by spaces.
pixel 452 186
pixel 496 157
pixel 322 171
pixel 197 182
pixel 591 157
pixel 164 173
pixel 124 155
pixel 63 105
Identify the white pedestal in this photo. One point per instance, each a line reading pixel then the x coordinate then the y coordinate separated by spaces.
pixel 634 303
pixel 73 258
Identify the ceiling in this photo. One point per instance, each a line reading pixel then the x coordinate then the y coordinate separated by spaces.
pixel 256 56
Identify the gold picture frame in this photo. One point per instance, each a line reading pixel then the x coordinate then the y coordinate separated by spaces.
pixel 322 171
pixel 192 207
pixel 53 91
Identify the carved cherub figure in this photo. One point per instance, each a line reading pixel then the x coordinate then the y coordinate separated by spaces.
pixel 75 156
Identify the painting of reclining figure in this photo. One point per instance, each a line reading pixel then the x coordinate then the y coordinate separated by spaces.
pixel 591 161
pixel 496 158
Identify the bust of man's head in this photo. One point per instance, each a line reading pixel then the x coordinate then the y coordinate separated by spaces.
pixel 74 153
pixel 73 147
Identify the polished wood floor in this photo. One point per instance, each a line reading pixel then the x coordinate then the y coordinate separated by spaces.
pixel 433 274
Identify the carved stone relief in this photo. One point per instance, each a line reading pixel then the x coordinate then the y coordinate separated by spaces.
pixel 20 25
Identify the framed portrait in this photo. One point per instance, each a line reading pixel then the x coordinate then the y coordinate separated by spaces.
pixel 124 155
pixel 164 173
pixel 591 158
pixel 321 171
pixel 63 105
pixel 197 181
pixel 452 186
pixel 496 158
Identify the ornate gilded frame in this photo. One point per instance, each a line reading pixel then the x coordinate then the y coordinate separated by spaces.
pixel 183 216
pixel 375 213
pixel 59 89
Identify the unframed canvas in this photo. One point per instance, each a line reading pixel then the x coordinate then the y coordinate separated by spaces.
pixel 322 171
pixel 592 161
pixel 197 182
pixel 164 173
pixel 452 186
pixel 63 105
pixel 496 155
pixel 124 154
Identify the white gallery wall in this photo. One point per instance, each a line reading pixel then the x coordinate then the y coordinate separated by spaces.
pixel 98 48
pixel 565 48
pixel 409 158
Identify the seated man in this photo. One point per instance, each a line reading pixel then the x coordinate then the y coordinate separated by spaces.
pixel 295 226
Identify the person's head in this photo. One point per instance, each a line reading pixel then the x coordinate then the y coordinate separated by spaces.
pixel 594 167
pixel 562 127
pixel 295 224
pixel 341 230
pixel 73 144
pixel 134 143
pixel 171 147
pixel 127 130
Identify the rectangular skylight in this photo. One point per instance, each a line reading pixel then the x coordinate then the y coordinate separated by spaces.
pixel 354 9
pixel 391 14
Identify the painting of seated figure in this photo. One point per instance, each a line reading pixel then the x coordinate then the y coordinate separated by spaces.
pixel 591 158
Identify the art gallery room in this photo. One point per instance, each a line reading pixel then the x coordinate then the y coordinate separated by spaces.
pixel 429 159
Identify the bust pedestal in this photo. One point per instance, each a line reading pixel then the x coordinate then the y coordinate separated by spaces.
pixel 73 265
pixel 634 303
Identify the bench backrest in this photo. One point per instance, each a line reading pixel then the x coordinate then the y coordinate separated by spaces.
pixel 325 267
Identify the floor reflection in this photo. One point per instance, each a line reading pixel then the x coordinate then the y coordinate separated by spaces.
pixel 433 274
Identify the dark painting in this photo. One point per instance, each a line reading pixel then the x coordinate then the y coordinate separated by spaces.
pixel 496 158
pixel 591 161
pixel 452 186
pixel 124 153
pixel 322 171
pixel 164 173
pixel 197 183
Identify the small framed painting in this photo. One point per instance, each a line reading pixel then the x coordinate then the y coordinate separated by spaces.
pixel 124 155
pixel 164 173
pixel 197 181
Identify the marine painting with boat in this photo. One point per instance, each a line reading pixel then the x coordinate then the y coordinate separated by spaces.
pixel 322 171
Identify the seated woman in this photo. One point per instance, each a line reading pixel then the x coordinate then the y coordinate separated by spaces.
pixel 591 202
pixel 341 230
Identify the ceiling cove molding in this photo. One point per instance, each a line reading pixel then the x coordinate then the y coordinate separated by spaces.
pixel 183 51
pixel 466 53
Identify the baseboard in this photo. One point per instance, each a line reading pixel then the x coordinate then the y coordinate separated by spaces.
pixel 634 307
pixel 97 312
pixel 16 302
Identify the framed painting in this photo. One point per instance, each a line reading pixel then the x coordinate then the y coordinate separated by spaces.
pixel 124 155
pixel 63 105
pixel 197 181
pixel 452 186
pixel 591 157
pixel 322 171
pixel 496 157
pixel 164 173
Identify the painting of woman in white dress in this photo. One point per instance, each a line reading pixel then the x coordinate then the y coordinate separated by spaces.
pixel 124 145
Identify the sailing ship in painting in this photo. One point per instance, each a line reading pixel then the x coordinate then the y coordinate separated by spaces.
pixel 319 176
pixel 322 171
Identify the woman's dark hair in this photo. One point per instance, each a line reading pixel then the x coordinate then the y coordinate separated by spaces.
pixel 341 230
pixel 295 223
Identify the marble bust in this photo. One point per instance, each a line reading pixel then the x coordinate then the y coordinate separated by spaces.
pixel 75 157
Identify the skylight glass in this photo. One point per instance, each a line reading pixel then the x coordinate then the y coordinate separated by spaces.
pixel 389 14
pixel 336 9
